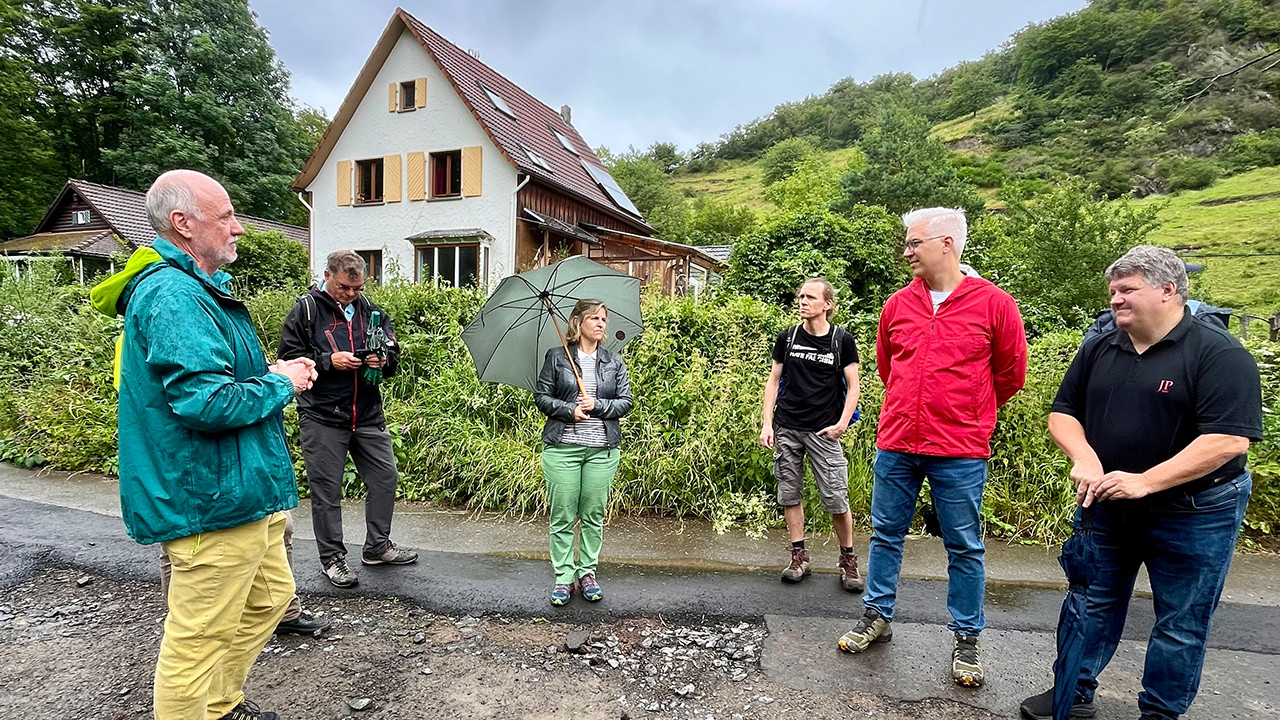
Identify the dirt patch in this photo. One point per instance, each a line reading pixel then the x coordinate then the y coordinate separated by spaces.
pixel 85 647
pixel 1237 198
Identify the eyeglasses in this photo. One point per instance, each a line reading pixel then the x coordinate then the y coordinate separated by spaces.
pixel 350 288
pixel 913 245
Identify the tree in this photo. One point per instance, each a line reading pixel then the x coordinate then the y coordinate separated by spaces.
pixel 665 156
pixel 812 185
pixel 857 253
pixel 642 180
pixel 906 169
pixel 28 174
pixel 782 159
pixel 971 92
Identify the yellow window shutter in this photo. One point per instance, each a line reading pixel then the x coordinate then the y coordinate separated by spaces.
pixel 472 170
pixel 416 182
pixel 391 191
pixel 344 182
pixel 420 93
pixel 393 100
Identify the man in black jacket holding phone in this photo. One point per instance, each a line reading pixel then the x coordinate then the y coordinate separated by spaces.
pixel 342 412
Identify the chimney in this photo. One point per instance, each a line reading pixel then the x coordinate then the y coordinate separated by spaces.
pixel 566 114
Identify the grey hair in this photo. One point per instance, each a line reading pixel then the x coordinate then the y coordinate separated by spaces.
pixel 345 262
pixel 942 221
pixel 1157 266
pixel 170 192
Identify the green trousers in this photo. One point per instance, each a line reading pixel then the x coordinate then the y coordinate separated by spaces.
pixel 578 480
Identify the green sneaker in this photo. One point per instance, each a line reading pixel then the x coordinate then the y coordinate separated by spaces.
pixel 871 628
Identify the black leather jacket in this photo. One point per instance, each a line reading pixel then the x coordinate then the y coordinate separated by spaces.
pixel 557 394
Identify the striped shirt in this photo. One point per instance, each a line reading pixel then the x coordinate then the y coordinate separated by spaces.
pixel 589 432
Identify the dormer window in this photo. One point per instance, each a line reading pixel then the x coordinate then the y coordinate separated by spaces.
pixel 497 101
pixel 564 140
pixel 80 217
pixel 537 159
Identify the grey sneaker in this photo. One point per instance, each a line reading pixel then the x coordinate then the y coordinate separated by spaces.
pixel 966 661
pixel 799 566
pixel 871 628
pixel 391 556
pixel 339 574
pixel 850 580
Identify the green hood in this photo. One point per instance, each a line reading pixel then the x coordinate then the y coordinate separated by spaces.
pixel 105 296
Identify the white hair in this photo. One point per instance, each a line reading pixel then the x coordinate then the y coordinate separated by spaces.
pixel 171 191
pixel 1157 266
pixel 942 221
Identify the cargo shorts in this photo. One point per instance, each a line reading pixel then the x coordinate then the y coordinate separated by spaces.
pixel 826 457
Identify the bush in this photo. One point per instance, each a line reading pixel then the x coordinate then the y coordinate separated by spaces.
pixel 267 260
pixel 1188 173
pixel 1253 150
pixel 690 447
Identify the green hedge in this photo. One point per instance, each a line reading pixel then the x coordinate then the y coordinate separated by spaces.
pixel 690 446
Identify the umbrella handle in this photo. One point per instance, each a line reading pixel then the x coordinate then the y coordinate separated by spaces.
pixel 573 367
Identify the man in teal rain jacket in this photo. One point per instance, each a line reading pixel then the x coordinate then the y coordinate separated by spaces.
pixel 204 467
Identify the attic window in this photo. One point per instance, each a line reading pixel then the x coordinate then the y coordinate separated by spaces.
pixel 408 95
pixel 537 159
pixel 80 217
pixel 564 140
pixel 611 188
pixel 497 100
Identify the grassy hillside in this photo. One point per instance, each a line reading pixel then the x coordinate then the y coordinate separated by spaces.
pixel 1238 216
pixel 740 182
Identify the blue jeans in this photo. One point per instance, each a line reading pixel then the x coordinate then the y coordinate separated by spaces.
pixel 956 485
pixel 1186 542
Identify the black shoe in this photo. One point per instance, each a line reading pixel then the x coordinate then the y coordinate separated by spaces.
pixel 1040 707
pixel 248 711
pixel 304 624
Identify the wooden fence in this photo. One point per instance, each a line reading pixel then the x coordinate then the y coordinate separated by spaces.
pixel 1245 323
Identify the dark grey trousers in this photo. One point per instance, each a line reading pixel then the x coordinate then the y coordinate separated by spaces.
pixel 324 450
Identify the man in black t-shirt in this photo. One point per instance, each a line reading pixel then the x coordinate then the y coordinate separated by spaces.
pixel 1156 416
pixel 809 401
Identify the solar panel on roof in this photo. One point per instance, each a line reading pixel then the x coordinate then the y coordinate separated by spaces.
pixel 496 99
pixel 537 159
pixel 611 188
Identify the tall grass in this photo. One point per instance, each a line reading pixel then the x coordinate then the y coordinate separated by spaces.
pixel 690 447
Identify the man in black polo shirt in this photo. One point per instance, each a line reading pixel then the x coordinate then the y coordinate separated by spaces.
pixel 1156 417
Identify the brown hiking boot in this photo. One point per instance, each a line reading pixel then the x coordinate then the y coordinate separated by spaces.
pixel 850 580
pixel 799 566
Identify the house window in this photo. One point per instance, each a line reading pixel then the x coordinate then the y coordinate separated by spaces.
pixel 446 174
pixel 461 265
pixel 564 140
pixel 497 101
pixel 537 159
pixel 80 217
pixel 373 260
pixel 408 95
pixel 369 181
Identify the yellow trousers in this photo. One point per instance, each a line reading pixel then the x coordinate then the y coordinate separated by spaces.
pixel 228 591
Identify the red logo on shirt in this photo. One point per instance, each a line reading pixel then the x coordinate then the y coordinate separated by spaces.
pixel 1165 385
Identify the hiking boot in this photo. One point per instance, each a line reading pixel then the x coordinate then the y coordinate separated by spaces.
pixel 850 580
pixel 561 594
pixel 871 628
pixel 391 556
pixel 1040 707
pixel 799 566
pixel 591 591
pixel 339 574
pixel 966 657
pixel 304 624
pixel 248 711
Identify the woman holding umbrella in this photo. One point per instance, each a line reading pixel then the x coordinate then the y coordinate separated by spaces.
pixel 583 391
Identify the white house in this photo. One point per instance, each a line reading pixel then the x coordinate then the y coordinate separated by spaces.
pixel 438 168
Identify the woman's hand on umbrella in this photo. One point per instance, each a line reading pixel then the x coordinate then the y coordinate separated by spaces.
pixel 580 415
pixel 586 402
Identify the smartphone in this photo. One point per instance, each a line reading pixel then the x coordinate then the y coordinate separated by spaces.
pixel 362 353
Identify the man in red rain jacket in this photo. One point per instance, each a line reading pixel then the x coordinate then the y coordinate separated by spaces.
pixel 950 350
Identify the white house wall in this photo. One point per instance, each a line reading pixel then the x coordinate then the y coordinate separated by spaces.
pixel 444 124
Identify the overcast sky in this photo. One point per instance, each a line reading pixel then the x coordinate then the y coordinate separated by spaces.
pixel 637 72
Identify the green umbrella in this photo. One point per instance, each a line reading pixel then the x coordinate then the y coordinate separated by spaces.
pixel 526 315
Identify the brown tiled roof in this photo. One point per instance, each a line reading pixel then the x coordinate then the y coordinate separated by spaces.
pixel 94 243
pixel 126 212
pixel 532 126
